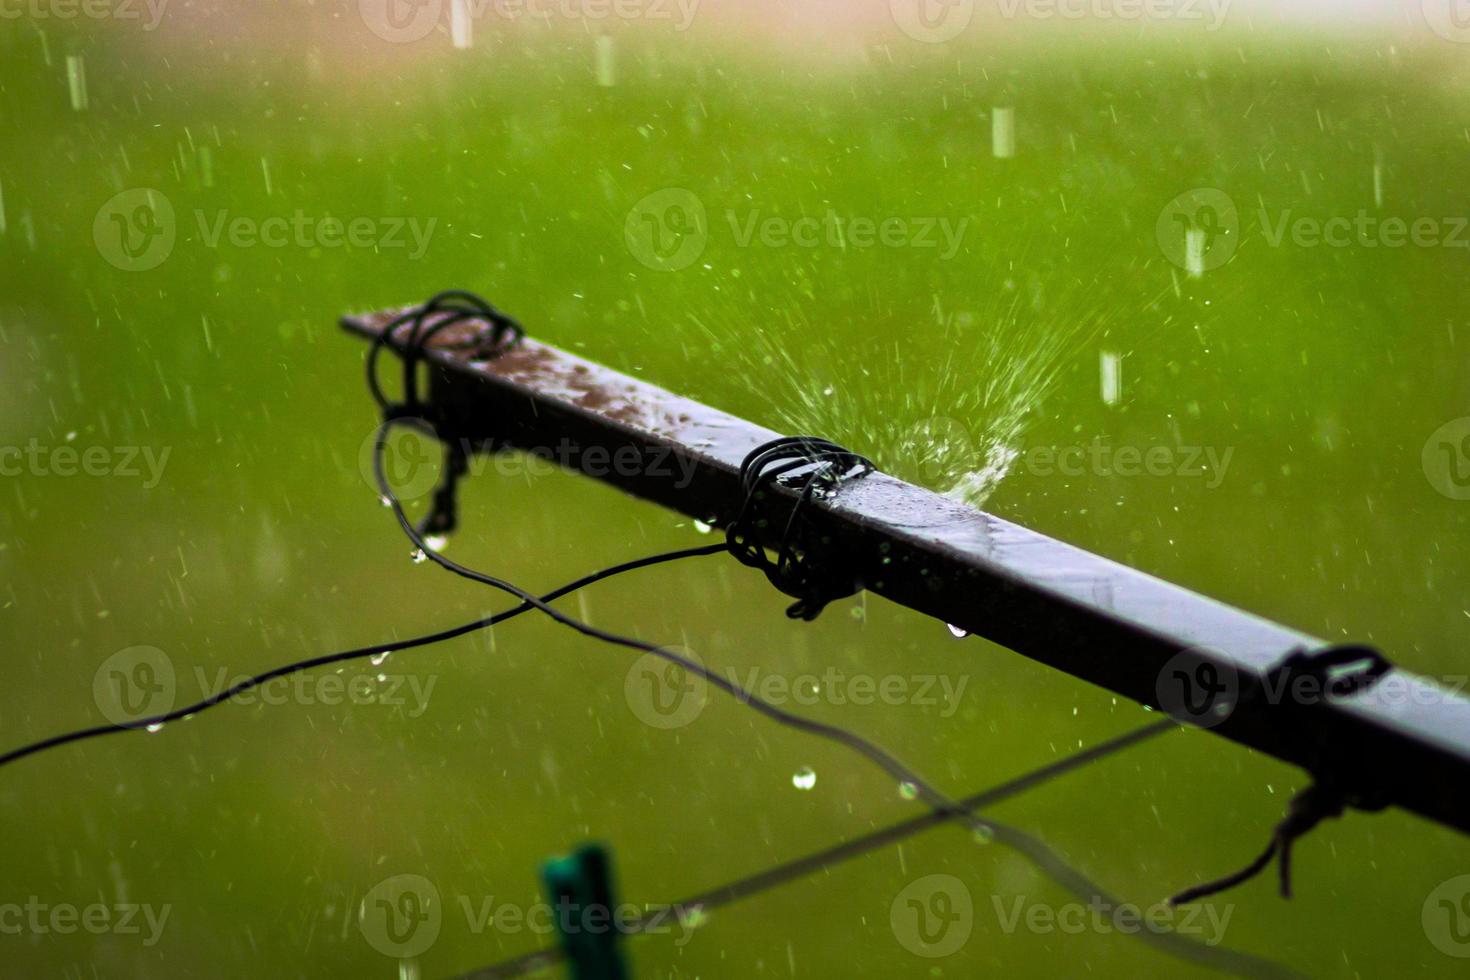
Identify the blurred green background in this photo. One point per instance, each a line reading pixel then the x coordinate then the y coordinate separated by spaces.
pixel 1322 370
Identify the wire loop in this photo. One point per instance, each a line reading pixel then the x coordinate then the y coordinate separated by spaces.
pixel 804 566
pixel 1339 779
pixel 498 332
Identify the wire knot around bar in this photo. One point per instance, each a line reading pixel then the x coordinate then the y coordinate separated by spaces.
pixel 497 333
pixel 1339 779
pixel 803 566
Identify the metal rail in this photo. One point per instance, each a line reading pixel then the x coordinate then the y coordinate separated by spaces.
pixel 1095 619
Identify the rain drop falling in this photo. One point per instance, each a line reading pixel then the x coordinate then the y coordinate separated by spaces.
pixel 1110 365
pixel 461 28
pixel 607 69
pixel 1003 132
pixel 1196 243
pixel 76 81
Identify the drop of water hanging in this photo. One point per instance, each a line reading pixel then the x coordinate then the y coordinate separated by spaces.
pixel 956 631
pixel 805 778
pixel 418 556
pixel 908 791
pixel 377 659
pixel 154 728
pixel 436 542
pixel 702 527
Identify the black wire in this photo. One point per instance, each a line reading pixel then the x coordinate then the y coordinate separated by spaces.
pixel 356 654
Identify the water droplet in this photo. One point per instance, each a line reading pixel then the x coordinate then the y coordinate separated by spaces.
pixel 984 833
pixel 154 728
pixel 693 917
pixel 418 556
pixel 956 631
pixel 377 659
pixel 382 678
pixel 805 778
pixel 436 542
pixel 908 791
pixel 702 527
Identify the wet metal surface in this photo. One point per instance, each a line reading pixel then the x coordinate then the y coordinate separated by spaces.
pixel 1081 613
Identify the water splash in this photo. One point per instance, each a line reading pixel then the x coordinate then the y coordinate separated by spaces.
pixel 945 407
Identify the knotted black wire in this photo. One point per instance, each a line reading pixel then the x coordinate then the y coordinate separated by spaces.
pixel 498 332
pixel 1339 781
pixel 805 566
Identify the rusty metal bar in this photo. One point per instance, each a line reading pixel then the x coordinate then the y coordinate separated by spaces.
pixel 1095 619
